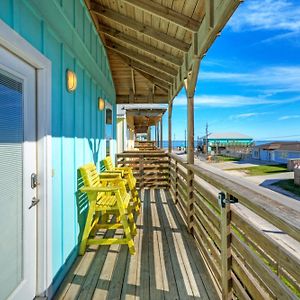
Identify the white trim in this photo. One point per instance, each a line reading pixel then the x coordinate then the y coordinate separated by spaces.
pixel 17 45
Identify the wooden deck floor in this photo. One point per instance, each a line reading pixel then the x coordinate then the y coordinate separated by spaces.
pixel 167 264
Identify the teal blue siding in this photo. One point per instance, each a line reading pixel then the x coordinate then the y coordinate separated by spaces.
pixel 64 32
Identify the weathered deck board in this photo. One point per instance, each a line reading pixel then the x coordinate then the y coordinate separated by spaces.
pixel 167 264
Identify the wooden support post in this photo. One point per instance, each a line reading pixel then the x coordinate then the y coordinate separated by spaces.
pixel 226 259
pixel 170 127
pixel 161 133
pixel 157 132
pixel 190 85
pixel 156 138
pixel 149 134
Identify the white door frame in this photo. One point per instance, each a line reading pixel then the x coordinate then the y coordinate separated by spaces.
pixel 17 45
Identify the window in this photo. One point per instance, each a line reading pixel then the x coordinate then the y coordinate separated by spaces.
pixel 108 126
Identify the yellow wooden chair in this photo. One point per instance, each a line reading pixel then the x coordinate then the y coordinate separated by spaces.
pixel 127 173
pixel 106 195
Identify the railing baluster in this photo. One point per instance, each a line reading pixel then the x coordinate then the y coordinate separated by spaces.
pixel 176 182
pixel 190 190
pixel 141 167
pixel 226 263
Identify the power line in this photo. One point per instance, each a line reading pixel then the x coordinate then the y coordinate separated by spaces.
pixel 280 137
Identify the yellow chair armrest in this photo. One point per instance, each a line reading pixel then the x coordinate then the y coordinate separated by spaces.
pixel 115 172
pixel 99 189
pixel 113 180
pixel 109 175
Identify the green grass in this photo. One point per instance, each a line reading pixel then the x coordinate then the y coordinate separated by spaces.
pixel 222 158
pixel 262 170
pixel 288 185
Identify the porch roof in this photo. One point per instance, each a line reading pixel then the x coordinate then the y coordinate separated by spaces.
pixel 141 119
pixel 152 45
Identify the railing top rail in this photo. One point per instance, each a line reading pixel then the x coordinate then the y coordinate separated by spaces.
pixel 281 216
pixel 142 153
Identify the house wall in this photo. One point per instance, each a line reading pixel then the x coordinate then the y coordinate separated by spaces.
pixel 264 154
pixel 282 156
pixel 63 31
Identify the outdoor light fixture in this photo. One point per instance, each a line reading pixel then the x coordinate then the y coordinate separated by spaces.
pixel 101 103
pixel 71 81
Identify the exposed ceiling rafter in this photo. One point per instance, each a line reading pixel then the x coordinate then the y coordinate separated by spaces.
pixel 146 69
pixel 139 27
pixel 166 13
pixel 161 84
pixel 159 99
pixel 141 58
pixel 125 38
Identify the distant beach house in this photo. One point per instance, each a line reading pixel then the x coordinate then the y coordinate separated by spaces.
pixel 280 152
pixel 224 140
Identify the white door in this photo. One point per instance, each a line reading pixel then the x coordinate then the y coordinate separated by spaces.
pixel 17 188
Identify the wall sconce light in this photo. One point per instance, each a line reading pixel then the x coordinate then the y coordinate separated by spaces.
pixel 71 81
pixel 101 103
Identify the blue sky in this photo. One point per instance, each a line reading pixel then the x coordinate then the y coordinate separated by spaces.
pixel 249 82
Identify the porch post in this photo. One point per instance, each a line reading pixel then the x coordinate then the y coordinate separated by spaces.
pixel 190 85
pixel 161 133
pixel 149 134
pixel 170 127
pixel 156 135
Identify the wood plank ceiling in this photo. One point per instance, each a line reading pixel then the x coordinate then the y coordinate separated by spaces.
pixel 140 119
pixel 151 43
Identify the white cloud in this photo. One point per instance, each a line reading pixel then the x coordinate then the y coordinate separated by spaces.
pixel 246 115
pixel 267 15
pixel 232 100
pixel 275 79
pixel 288 117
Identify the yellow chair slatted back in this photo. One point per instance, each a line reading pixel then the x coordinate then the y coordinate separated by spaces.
pixel 108 163
pixel 91 179
pixel 90 175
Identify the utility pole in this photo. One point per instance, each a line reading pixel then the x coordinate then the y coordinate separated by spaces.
pixel 206 138
pixel 185 140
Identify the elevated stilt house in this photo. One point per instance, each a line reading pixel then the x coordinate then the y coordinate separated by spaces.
pixel 64 66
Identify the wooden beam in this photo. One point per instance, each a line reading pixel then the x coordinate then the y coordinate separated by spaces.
pixel 205 36
pixel 166 13
pixel 211 11
pixel 148 70
pixel 139 27
pixel 123 37
pixel 141 58
pixel 133 81
pixel 125 99
pixel 163 85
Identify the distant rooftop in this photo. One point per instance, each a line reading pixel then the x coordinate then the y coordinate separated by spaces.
pixel 290 146
pixel 229 136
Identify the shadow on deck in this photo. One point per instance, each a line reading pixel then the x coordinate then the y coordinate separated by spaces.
pixel 167 263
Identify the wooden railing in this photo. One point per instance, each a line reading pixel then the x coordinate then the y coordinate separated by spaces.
pixel 244 260
pixel 145 145
pixel 151 169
